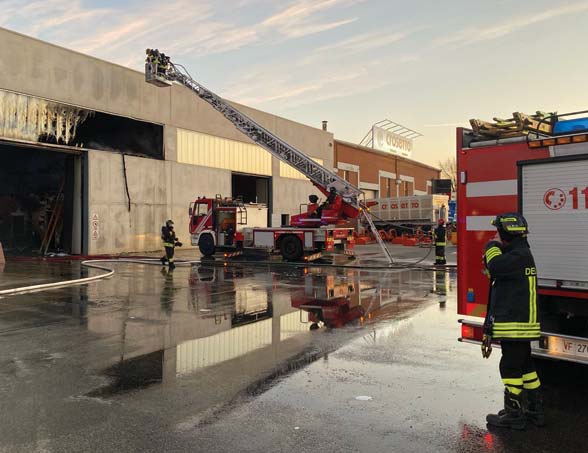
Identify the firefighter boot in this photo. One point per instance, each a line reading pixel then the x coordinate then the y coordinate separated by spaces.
pixel 534 410
pixel 512 416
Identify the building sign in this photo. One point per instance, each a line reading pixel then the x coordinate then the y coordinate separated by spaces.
pixel 384 140
pixel 95 226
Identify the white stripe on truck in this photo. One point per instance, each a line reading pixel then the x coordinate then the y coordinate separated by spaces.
pixel 491 188
pixel 480 223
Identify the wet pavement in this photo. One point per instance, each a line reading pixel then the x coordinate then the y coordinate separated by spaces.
pixel 214 358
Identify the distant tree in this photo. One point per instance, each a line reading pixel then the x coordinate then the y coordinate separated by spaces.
pixel 449 171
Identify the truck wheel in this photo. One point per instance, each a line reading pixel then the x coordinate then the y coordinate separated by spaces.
pixel 206 245
pixel 291 248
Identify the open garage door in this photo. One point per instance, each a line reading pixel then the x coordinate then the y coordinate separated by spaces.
pixel 253 189
pixel 40 200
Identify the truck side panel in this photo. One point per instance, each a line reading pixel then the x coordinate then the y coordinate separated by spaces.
pixel 487 186
pixel 554 200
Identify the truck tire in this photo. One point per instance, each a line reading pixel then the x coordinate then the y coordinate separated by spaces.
pixel 206 245
pixel 291 248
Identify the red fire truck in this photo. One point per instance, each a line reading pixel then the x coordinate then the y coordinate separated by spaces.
pixel 229 226
pixel 542 173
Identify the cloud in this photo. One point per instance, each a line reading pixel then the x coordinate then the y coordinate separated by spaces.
pixel 507 27
pixel 367 41
pixel 194 28
pixel 302 18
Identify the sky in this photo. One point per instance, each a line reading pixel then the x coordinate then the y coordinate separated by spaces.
pixel 427 64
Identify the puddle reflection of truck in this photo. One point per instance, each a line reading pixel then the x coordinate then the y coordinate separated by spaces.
pixel 336 299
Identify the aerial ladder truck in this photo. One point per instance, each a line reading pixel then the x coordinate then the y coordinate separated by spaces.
pixel 216 224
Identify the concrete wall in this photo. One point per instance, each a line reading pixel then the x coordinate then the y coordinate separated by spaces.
pixel 158 189
pixel 37 68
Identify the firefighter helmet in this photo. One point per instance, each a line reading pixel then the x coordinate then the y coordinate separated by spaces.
pixel 169 223
pixel 512 223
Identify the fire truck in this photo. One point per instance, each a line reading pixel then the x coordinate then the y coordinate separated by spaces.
pixel 224 224
pixel 216 224
pixel 536 165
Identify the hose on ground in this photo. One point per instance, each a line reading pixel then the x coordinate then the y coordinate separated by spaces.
pixel 110 272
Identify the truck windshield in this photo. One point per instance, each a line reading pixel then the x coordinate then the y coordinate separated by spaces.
pixel 200 211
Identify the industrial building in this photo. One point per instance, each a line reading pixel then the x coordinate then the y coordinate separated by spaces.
pixel 94 159
pixel 381 174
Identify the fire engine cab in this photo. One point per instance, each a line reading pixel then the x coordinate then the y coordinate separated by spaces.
pixel 536 165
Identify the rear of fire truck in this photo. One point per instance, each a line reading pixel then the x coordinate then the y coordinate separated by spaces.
pixel 536 165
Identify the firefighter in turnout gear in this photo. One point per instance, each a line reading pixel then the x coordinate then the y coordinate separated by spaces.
pixel 170 241
pixel 440 242
pixel 512 318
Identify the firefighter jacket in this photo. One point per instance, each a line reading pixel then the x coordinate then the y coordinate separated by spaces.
pixel 168 235
pixel 513 299
pixel 440 236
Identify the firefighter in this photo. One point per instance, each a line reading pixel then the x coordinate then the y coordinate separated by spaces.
pixel 313 208
pixel 440 242
pixel 332 196
pixel 512 318
pixel 170 241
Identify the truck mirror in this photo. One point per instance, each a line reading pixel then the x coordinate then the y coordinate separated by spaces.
pixel 190 212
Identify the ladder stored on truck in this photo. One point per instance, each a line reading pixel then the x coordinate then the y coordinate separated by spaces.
pixel 160 71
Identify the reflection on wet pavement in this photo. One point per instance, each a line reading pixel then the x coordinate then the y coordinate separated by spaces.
pixel 151 327
pixel 223 313
pixel 155 360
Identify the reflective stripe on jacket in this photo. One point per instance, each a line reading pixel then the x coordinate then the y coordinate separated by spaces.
pixel 514 293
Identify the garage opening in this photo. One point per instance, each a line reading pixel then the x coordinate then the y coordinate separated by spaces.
pixel 40 201
pixel 253 189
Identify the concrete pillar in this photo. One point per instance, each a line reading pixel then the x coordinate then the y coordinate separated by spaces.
pixel 78 194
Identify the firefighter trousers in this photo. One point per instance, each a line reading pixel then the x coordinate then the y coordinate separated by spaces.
pixel 440 254
pixel 517 368
pixel 169 255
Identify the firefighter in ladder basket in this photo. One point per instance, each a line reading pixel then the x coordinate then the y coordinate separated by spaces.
pixel 440 242
pixel 512 318
pixel 170 241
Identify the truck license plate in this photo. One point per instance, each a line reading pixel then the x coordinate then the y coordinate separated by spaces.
pixel 574 347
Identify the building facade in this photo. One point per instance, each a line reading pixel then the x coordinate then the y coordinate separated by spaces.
pixel 89 143
pixel 381 174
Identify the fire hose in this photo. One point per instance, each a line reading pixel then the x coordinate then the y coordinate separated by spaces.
pixel 110 272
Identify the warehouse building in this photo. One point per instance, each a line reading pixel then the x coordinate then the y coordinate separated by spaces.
pixel 94 159
pixel 382 174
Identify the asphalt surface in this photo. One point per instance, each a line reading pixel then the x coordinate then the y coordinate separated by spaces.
pixel 215 358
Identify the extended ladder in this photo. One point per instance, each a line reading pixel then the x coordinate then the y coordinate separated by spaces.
pixel 160 71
